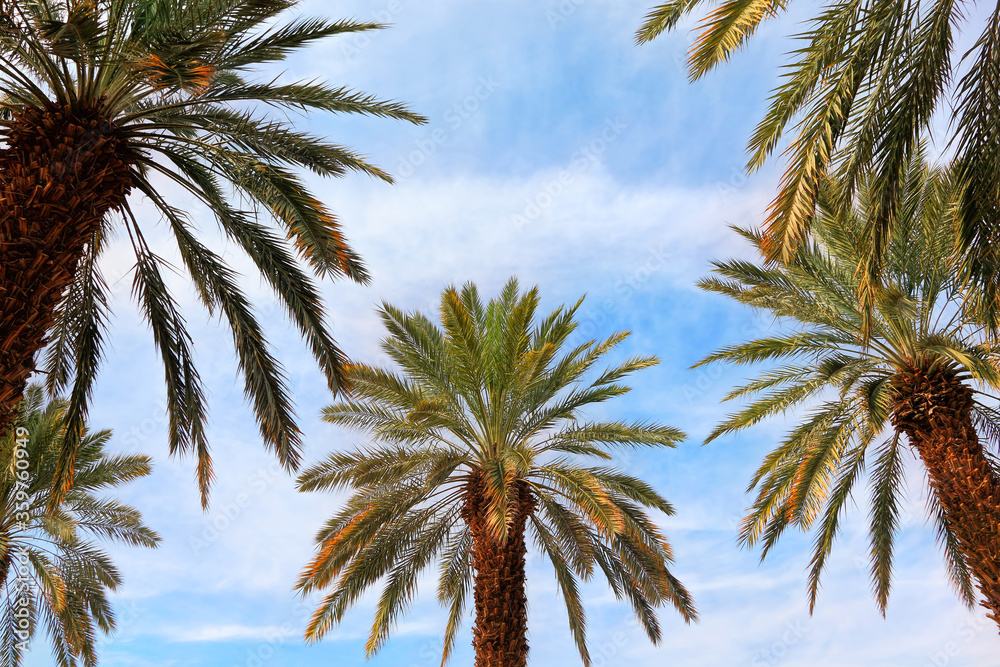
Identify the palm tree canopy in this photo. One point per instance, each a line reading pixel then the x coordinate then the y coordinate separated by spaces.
pixel 494 394
pixel 865 82
pixel 922 317
pixel 186 89
pixel 57 552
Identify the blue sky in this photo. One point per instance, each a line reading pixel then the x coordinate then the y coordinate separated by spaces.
pixel 559 152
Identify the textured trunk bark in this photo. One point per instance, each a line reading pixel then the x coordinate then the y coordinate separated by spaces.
pixel 500 634
pixel 5 562
pixel 934 408
pixel 61 171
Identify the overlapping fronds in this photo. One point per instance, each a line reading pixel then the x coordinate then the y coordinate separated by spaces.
pixel 859 93
pixel 52 569
pixel 188 88
pixel 489 394
pixel 834 363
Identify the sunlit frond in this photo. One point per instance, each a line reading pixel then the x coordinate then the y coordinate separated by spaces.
pixel 186 92
pixel 483 414
pixel 833 367
pixel 51 565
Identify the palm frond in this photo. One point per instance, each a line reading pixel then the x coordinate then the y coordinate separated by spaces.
pixel 485 407
pixel 833 364
pixel 187 91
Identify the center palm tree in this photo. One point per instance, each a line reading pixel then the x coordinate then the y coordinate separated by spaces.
pixel 479 443
pixel 916 382
pixel 53 574
pixel 100 99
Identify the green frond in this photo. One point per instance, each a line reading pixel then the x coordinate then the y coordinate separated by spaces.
pixel 887 481
pixel 959 572
pixel 726 29
pixel 401 584
pixel 859 92
pixel 188 88
pixel 621 434
pixel 568 587
pixel 71 575
pixel 484 401
pixel 831 366
pixel 454 586
pixel 664 17
pixel 830 523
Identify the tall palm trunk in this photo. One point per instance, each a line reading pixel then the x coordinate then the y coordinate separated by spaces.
pixel 500 634
pixel 61 171
pixel 934 408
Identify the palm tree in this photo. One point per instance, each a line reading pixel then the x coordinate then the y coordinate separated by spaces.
pixel 100 99
pixel 863 87
pixel 53 573
pixel 478 441
pixel 916 382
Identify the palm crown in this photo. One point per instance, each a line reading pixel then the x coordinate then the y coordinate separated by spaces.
pixel 861 91
pixel 479 438
pixel 52 571
pixel 101 98
pixel 924 325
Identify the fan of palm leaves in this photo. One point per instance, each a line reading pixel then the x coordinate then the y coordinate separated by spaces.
pixel 488 400
pixel 823 365
pixel 53 572
pixel 190 90
pixel 864 84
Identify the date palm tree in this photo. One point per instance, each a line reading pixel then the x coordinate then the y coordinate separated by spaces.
pixel 103 99
pixel 920 382
pixel 863 87
pixel 479 441
pixel 53 572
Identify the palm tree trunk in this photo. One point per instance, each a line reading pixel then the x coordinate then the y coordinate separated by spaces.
pixel 6 560
pixel 500 634
pixel 934 408
pixel 5 563
pixel 61 171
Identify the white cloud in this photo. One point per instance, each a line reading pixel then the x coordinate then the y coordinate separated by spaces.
pixel 224 633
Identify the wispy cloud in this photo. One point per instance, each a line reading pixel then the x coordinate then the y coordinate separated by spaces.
pixel 226 633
